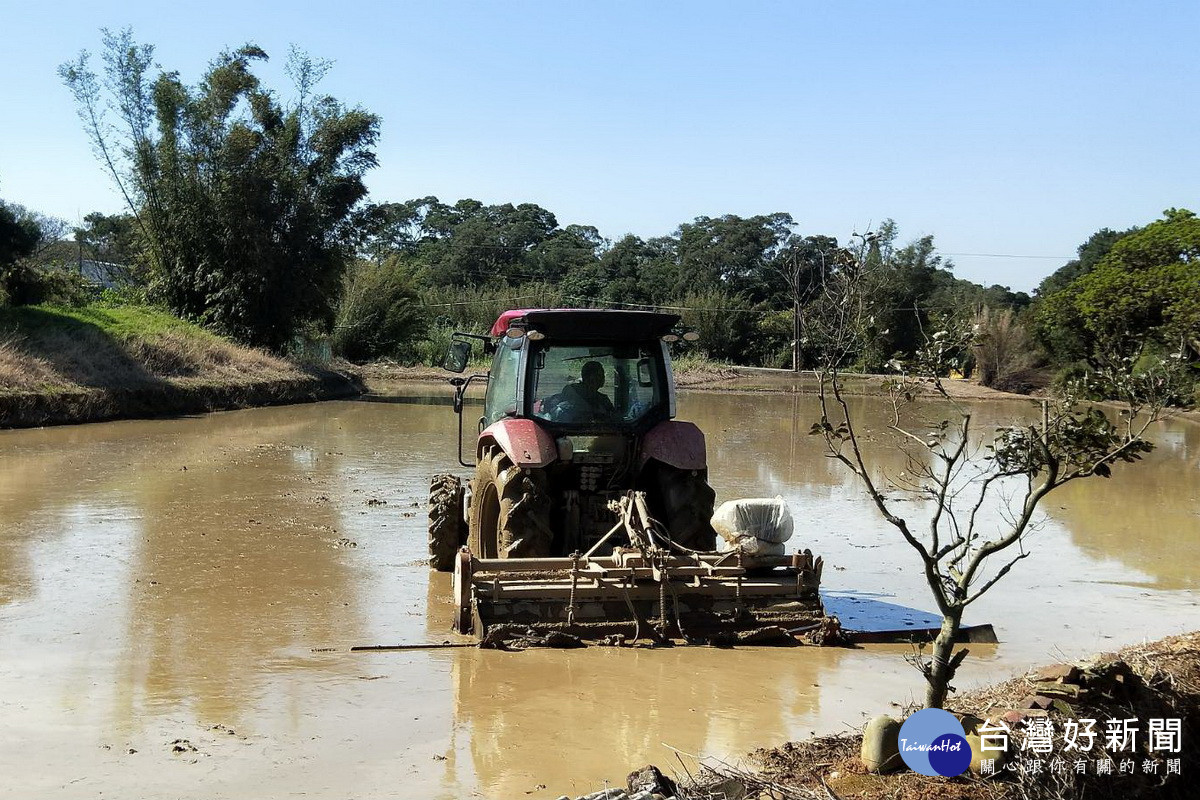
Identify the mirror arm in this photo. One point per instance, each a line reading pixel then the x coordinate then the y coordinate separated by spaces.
pixel 460 391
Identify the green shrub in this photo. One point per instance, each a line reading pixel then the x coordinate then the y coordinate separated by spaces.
pixel 31 286
pixel 379 315
pixel 121 296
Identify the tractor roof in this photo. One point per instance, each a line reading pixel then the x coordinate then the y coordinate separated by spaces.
pixel 589 323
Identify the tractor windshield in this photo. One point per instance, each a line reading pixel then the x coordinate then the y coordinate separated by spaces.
pixel 585 384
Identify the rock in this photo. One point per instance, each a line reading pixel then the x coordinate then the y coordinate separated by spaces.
pixel 1037 702
pixel 881 746
pixel 1058 673
pixel 1054 688
pixel 607 794
pixel 650 779
pixel 971 725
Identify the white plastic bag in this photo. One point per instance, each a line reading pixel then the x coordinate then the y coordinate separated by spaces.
pixel 762 518
pixel 750 546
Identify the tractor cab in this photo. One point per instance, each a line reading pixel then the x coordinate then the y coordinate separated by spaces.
pixel 581 401
pixel 567 380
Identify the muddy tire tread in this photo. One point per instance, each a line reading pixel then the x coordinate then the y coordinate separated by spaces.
pixel 445 521
pixel 523 519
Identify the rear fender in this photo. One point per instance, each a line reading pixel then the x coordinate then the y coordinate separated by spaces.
pixel 525 442
pixel 680 444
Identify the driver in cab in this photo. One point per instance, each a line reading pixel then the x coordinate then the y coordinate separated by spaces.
pixel 585 400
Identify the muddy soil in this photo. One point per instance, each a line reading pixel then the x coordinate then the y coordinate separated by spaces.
pixel 1153 680
pixel 177 600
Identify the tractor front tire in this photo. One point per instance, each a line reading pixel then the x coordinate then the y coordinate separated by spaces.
pixel 447 528
pixel 510 510
pixel 683 502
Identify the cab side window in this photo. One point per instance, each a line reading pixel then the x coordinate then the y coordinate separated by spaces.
pixel 501 397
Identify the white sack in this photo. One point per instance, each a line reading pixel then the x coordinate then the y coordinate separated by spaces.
pixel 762 518
pixel 750 546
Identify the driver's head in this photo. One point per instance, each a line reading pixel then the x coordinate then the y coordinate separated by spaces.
pixel 592 375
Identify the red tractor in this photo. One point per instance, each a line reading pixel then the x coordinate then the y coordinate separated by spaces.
pixel 590 511
pixel 579 410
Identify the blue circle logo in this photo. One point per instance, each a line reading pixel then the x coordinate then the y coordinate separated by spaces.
pixel 933 742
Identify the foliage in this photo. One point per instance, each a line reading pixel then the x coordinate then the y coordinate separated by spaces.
pixel 127 295
pixel 1143 292
pixel 474 310
pixel 980 504
pixel 721 320
pixel 241 202
pixel 27 239
pixel 1004 352
pixel 730 253
pixel 772 339
pixel 19 235
pixel 746 283
pixel 113 240
pixel 380 314
pixel 1090 253
pixel 58 287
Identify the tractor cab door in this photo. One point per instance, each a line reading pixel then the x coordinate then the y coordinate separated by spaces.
pixel 503 398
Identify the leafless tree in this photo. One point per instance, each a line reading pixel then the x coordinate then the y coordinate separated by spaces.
pixel 982 499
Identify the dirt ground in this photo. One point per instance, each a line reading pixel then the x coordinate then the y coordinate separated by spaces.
pixel 1158 680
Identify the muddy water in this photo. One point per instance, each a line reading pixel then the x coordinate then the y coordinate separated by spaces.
pixel 168 588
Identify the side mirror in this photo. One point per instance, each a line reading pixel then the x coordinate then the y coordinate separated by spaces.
pixel 457 356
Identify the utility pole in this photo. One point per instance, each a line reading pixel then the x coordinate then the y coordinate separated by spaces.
pixel 796 365
pixel 793 279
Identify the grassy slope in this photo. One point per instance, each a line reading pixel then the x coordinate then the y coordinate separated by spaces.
pixel 80 365
pixel 47 350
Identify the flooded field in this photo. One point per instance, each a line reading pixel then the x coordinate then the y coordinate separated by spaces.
pixel 168 590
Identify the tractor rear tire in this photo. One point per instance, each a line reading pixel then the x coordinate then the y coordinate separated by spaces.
pixel 510 510
pixel 447 528
pixel 683 502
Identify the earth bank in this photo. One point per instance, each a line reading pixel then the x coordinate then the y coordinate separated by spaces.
pixel 86 365
pixel 1154 681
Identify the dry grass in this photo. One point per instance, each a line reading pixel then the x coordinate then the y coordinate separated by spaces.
pixel 21 369
pixel 46 351
pixel 175 355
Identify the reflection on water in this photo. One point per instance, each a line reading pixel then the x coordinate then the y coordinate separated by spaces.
pixel 603 708
pixel 170 579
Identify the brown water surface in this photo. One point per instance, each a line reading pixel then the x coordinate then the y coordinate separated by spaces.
pixel 166 589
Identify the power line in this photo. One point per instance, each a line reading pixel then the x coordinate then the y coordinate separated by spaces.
pixel 489 301
pixel 670 308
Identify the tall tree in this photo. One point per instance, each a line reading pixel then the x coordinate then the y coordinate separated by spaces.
pixel 803 263
pixel 1090 254
pixel 30 243
pixel 731 253
pixel 1143 293
pixel 19 237
pixel 243 202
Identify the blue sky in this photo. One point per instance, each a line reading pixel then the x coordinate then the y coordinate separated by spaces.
pixel 1006 128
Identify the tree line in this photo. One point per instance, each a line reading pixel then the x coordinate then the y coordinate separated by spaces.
pixel 250 215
